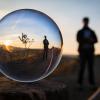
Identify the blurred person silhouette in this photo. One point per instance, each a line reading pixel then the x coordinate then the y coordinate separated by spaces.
pixel 86 38
pixel 46 45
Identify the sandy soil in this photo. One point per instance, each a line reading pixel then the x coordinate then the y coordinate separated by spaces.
pixel 60 85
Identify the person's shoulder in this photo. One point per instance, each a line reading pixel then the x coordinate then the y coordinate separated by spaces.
pixel 44 40
pixel 80 31
pixel 92 30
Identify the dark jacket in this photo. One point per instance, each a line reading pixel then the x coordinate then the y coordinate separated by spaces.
pixel 83 41
pixel 46 43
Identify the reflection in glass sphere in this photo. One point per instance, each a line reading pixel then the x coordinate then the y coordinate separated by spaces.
pixel 30 45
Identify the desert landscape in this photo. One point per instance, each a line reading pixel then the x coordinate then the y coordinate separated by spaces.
pixel 27 64
pixel 60 85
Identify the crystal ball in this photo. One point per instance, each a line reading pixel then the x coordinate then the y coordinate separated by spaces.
pixel 30 45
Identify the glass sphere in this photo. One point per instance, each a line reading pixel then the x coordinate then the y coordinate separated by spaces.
pixel 30 45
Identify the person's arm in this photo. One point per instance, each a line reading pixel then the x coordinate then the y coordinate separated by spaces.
pixel 43 42
pixel 94 40
pixel 47 42
pixel 78 37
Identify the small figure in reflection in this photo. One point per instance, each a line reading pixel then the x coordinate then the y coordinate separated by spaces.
pixel 86 38
pixel 46 45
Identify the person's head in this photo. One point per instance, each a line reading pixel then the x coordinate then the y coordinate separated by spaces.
pixel 86 21
pixel 45 36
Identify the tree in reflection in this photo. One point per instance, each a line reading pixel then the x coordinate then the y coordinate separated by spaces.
pixel 26 41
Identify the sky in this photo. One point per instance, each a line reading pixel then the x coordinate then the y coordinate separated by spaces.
pixel 67 14
pixel 34 24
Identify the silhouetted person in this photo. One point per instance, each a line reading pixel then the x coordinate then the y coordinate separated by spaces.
pixel 46 44
pixel 86 38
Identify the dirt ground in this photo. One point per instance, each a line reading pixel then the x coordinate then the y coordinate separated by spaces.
pixel 60 85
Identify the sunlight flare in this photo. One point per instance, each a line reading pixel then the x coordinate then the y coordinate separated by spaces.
pixel 7 42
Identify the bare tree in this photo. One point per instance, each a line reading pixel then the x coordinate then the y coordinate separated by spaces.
pixel 26 41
